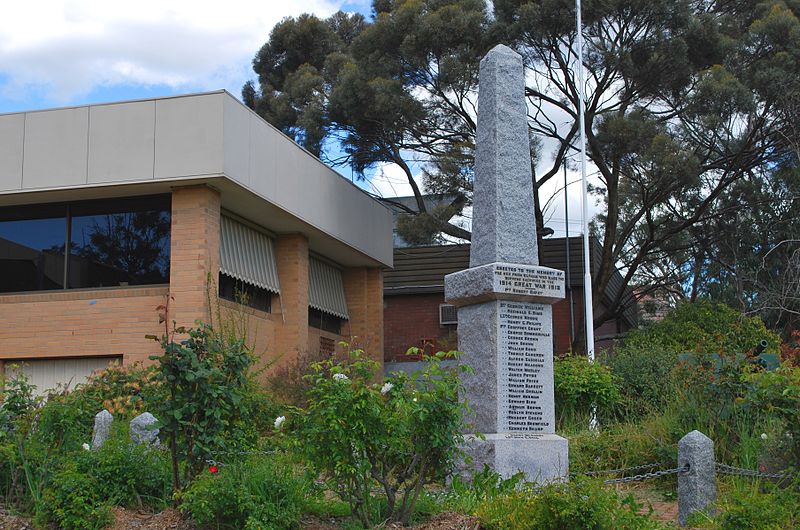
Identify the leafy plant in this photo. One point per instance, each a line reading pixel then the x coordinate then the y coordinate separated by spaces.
pixel 778 393
pixel 581 385
pixel 253 494
pixel 72 502
pixel 580 503
pixel 205 376
pixel 399 434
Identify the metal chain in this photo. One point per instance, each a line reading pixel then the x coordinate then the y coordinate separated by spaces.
pixel 617 471
pixel 725 469
pixel 645 476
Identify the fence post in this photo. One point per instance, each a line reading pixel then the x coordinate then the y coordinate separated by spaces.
pixel 697 487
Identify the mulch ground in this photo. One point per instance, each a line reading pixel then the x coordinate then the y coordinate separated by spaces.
pixel 171 519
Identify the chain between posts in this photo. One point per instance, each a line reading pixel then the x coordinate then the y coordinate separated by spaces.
pixel 725 469
pixel 617 471
pixel 645 476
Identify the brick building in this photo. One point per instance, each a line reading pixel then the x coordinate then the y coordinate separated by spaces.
pixel 107 211
pixel 415 313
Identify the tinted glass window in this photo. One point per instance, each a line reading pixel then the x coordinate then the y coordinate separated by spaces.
pixel 244 293
pixel 118 243
pixel 324 321
pixel 32 249
pixel 111 243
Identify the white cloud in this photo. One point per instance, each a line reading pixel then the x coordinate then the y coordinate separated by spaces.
pixel 64 49
pixel 389 180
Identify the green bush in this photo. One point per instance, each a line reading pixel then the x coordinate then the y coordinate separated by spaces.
pixel 750 508
pixel 120 473
pixel 580 503
pixel 205 377
pixel 581 385
pixel 263 493
pixel 705 327
pixel 644 372
pixel 645 362
pixel 72 502
pixel 778 393
pixel 398 435
pixel 128 474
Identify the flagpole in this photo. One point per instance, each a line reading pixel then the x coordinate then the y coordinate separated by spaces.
pixel 587 276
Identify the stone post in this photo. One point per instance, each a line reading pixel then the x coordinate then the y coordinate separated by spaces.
pixel 697 488
pixel 505 324
pixel 102 428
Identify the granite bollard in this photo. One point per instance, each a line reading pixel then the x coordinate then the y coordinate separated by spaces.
pixel 697 487
pixel 505 323
pixel 102 428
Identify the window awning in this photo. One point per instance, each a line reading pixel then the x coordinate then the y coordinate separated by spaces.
pixel 247 255
pixel 326 288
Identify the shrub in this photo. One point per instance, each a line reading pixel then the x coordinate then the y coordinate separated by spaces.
pixel 645 361
pixel 778 393
pixel 120 473
pixel 255 494
pixel 124 391
pixel 706 327
pixel 128 474
pixel 580 503
pixel 749 508
pixel 205 377
pixel 644 372
pixel 72 502
pixel 399 434
pixel 16 401
pixel 581 385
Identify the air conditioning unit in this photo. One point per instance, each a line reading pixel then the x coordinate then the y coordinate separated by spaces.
pixel 448 314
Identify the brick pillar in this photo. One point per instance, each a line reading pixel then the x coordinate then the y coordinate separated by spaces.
pixel 291 333
pixel 363 289
pixel 194 253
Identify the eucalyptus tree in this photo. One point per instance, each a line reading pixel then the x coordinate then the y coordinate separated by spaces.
pixel 684 101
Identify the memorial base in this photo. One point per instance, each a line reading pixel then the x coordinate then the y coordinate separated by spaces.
pixel 543 458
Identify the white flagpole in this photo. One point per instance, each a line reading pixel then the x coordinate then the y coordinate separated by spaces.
pixel 587 276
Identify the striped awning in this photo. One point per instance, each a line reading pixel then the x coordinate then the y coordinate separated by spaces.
pixel 326 288
pixel 247 255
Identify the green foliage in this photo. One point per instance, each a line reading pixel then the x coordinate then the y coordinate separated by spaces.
pixel 753 506
pixel 644 363
pixel 705 327
pixel 777 393
pixel 16 401
pixel 255 494
pixel 72 502
pixel 466 496
pixel 205 377
pixel 399 435
pixel 581 385
pixel 124 391
pixel 86 483
pixel 580 503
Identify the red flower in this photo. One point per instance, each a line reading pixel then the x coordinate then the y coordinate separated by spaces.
pixel 213 469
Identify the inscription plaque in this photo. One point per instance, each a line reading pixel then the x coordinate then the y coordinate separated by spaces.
pixel 529 281
pixel 525 365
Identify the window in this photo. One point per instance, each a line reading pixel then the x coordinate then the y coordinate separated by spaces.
pixel 243 293
pixel 111 243
pixel 32 248
pixel 324 321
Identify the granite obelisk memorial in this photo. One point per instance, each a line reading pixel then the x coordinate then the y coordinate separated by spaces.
pixel 505 321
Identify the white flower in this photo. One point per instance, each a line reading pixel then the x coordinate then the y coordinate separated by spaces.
pixel 279 421
pixel 340 377
pixel 763 436
pixel 86 446
pixel 386 388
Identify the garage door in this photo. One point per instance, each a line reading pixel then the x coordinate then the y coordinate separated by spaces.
pixel 47 374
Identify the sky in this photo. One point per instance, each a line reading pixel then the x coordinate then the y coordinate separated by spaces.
pixel 56 53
